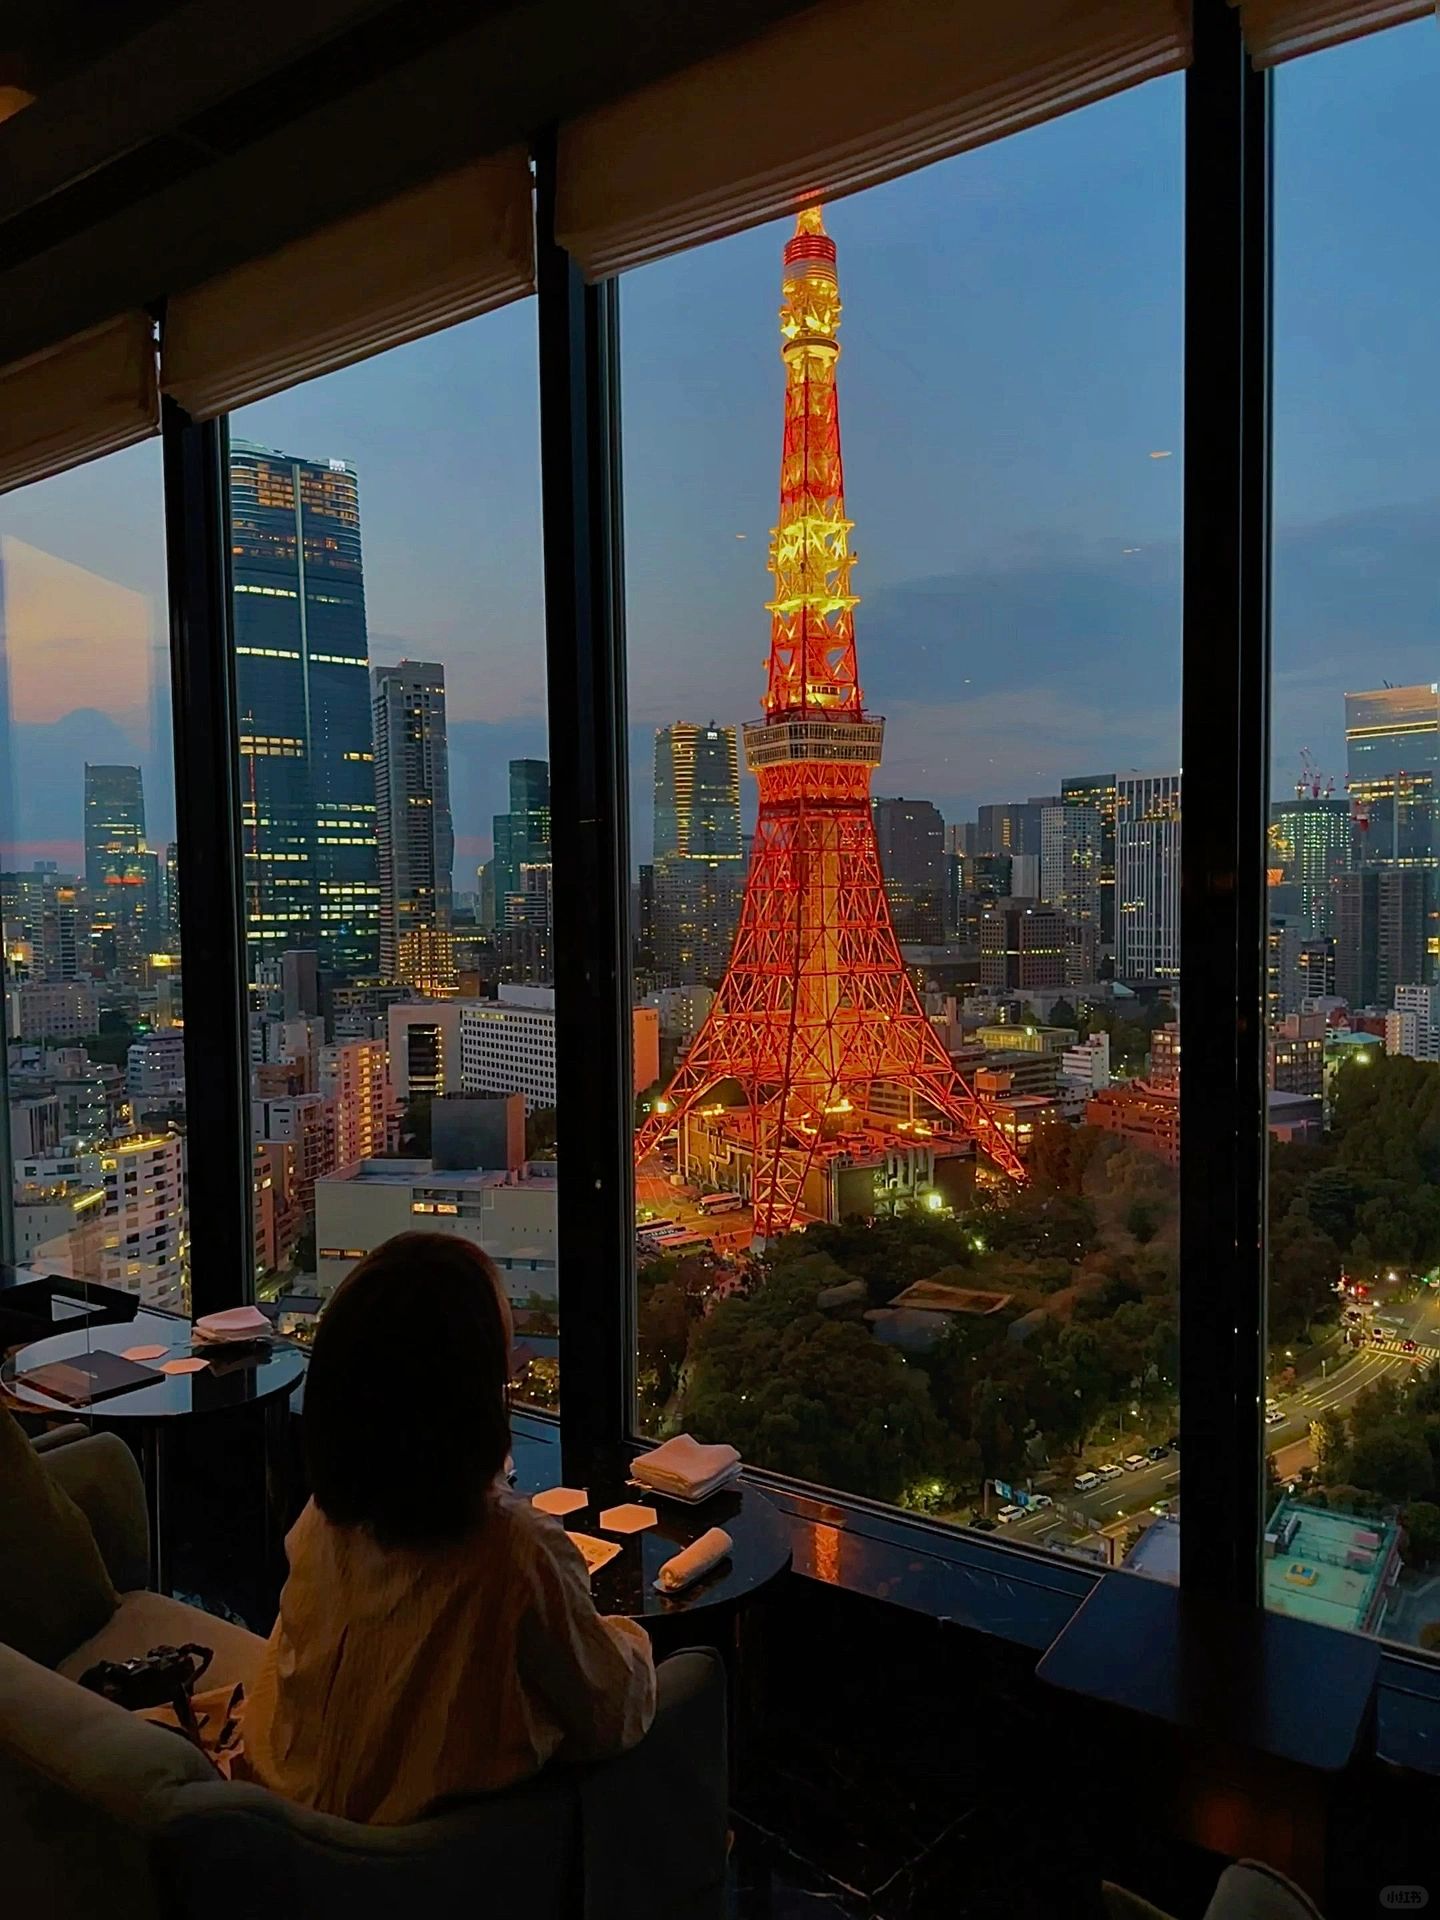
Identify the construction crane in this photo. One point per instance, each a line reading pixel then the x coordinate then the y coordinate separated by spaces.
pixel 1312 784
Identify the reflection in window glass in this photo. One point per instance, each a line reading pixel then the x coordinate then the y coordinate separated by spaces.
pixel 1353 1399
pixel 95 1059
pixel 395 819
pixel 906 905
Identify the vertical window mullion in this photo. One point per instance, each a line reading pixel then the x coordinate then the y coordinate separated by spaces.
pixel 1225 735
pixel 219 1171
pixel 589 815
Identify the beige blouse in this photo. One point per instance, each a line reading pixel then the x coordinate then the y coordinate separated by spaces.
pixel 393 1679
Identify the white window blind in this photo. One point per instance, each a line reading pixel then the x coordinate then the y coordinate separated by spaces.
pixel 91 395
pixel 441 253
pixel 838 97
pixel 1278 30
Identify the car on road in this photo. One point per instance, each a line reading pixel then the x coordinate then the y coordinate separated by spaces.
pixel 1409 1346
pixel 1163 1509
pixel 1039 1502
pixel 1007 1514
pixel 1086 1482
pixel 982 1523
pixel 1157 1453
pixel 1380 1335
pixel 1133 1462
pixel 1112 1471
pixel 1273 1416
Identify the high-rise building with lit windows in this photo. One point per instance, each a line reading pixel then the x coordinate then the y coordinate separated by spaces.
pixel 122 874
pixel 415 838
pixel 307 778
pixel 1096 792
pixel 698 867
pixel 1310 843
pixel 1147 877
pixel 1392 750
pixel 522 839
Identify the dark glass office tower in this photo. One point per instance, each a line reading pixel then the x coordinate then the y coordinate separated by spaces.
pixel 122 875
pixel 303 695
pixel 416 838
pixel 698 873
pixel 522 839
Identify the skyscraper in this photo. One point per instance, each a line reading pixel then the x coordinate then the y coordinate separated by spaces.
pixel 122 875
pixel 1310 840
pixel 522 839
pixel 1392 747
pixel 1147 877
pixel 1097 791
pixel 698 863
pixel 1013 827
pixel 416 840
pixel 114 825
pixel 307 786
pixel 1382 921
pixel 1072 860
pixel 911 837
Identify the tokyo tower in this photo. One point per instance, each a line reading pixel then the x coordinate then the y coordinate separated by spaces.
pixel 816 1021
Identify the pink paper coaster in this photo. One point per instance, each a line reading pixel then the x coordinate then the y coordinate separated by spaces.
pixel 560 1500
pixel 184 1366
pixel 628 1519
pixel 144 1353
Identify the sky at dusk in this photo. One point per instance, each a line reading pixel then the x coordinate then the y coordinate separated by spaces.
pixel 1012 362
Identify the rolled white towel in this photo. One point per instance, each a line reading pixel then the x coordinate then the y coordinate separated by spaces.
pixel 699 1557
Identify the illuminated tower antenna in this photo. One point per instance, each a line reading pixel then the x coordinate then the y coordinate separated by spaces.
pixel 817 1022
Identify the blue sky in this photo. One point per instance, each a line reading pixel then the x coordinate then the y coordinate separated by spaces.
pixel 1012 360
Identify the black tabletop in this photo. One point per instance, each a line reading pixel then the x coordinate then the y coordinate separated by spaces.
pixel 226 1383
pixel 760 1552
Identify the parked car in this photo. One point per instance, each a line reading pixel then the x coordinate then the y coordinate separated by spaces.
pixel 1007 1514
pixel 1174 1443
pixel 1157 1453
pixel 1133 1462
pixel 1273 1416
pixel 1163 1509
pixel 1039 1502
pixel 1086 1482
pixel 1112 1471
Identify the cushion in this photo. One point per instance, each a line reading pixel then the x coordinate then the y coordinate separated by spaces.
pixel 145 1620
pixel 54 1590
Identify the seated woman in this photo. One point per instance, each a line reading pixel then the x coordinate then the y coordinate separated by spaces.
pixel 436 1634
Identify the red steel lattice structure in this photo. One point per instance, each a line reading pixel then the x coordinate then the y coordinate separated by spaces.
pixel 816 1009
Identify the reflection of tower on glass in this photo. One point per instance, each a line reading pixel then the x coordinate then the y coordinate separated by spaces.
pixel 122 874
pixel 816 1022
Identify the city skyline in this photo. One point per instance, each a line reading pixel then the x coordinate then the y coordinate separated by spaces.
pixel 1019 538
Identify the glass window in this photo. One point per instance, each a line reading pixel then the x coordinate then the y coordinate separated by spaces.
pixel 95 1056
pixel 906 810
pixel 395 818
pixel 1353 1399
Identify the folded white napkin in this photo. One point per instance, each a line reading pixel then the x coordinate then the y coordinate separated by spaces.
pixel 235 1323
pixel 685 1466
pixel 692 1561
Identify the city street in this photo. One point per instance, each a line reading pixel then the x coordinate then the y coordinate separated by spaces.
pixel 1134 1493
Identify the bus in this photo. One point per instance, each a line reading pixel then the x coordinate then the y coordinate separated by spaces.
pixel 686 1241
pixel 720 1202
pixel 656 1231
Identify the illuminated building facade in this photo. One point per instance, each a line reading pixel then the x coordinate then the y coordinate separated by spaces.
pixel 122 874
pixel 1392 743
pixel 1310 840
pixel 1096 793
pixel 816 1013
pixel 697 869
pixel 522 839
pixel 302 681
pixel 1147 877
pixel 415 837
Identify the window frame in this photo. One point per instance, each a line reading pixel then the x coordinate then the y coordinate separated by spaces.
pixel 1228 215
